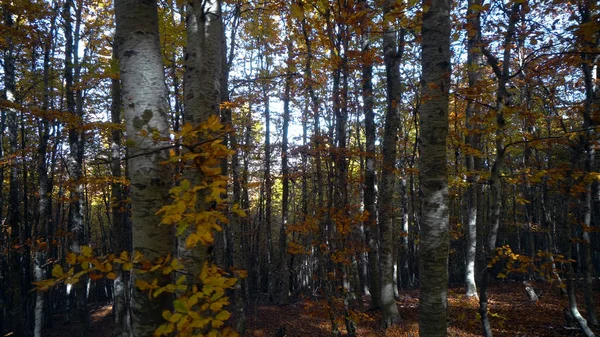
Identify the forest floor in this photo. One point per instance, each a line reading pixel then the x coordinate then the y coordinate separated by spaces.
pixel 512 314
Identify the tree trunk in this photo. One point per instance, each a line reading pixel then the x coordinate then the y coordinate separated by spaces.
pixel 202 97
pixel 146 108
pixel 474 60
pixel 435 239
pixel 44 190
pixel 284 272
pixel 503 75
pixel 392 55
pixel 120 231
pixel 370 224
pixel 591 105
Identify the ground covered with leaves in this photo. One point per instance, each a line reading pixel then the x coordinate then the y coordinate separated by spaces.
pixel 512 314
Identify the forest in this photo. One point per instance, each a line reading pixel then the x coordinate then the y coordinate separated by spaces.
pixel 299 168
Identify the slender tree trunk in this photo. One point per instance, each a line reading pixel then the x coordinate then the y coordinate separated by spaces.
pixel 474 61
pixel 392 55
pixel 502 73
pixel 370 225
pixel 44 190
pixel 591 69
pixel 284 271
pixel 568 244
pixel 236 222
pixel 146 108
pixel 120 231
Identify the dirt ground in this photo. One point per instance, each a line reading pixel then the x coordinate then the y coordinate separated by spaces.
pixel 511 315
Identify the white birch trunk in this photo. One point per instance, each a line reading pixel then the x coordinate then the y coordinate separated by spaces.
pixel 146 108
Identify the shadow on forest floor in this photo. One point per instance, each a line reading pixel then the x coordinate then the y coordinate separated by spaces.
pixel 511 315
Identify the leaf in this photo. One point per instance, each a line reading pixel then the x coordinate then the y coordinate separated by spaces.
pixel 180 306
pixel 192 301
pixel 111 276
pixel 57 271
pixel 175 317
pixel 71 258
pixel 158 292
pixel 296 11
pixel 86 251
pixel 142 285
pixel 124 255
pixel 223 315
pixel 160 330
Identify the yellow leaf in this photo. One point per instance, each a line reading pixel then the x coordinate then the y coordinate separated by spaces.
pixel 192 240
pixel 176 265
pixel 223 315
pixel 160 330
pixel 169 328
pixel 71 258
pixel 137 257
pixel 86 251
pixel 127 266
pixel 142 285
pixel 57 271
pixel 175 317
pixel 166 314
pixel 194 315
pixel 296 11
pixel 111 276
pixel 217 306
pixel 192 301
pixel 124 255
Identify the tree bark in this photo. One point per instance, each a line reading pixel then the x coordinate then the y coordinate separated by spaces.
pixel 433 181
pixel 202 97
pixel 591 70
pixel 146 108
pixel 392 54
pixel 502 74
pixel 284 271
pixel 120 231
pixel 44 189
pixel 370 224
pixel 474 61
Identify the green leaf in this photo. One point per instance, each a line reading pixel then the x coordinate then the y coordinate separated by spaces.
pixel 180 306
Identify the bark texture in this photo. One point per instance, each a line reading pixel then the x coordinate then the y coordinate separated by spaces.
pixel 474 61
pixel 145 108
pixel 392 54
pixel 435 240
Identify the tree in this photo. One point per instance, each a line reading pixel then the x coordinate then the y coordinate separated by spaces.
pixel 13 217
pixel 474 60
pixel 146 110
pixel 433 177
pixel 392 54
pixel 202 94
